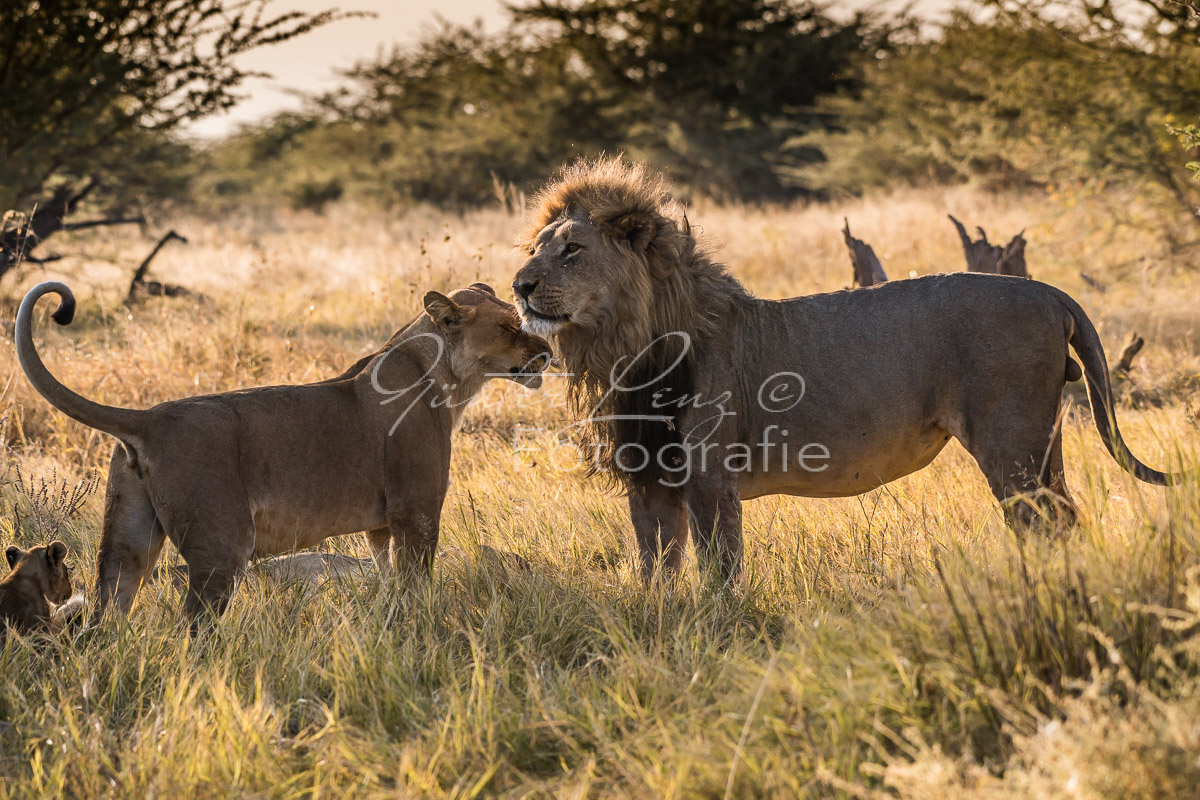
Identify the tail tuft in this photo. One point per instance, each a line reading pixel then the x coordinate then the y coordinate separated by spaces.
pixel 65 311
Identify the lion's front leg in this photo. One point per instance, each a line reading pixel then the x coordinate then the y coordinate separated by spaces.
pixel 660 524
pixel 715 511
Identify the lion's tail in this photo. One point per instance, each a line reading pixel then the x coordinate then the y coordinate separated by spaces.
pixel 1087 345
pixel 120 422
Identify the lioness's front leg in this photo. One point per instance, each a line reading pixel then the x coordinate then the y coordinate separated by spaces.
pixel 414 533
pixel 380 540
pixel 660 524
pixel 416 488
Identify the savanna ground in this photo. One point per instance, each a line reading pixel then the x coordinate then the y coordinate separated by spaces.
pixel 900 643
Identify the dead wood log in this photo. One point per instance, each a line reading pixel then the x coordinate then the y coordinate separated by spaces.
pixel 983 256
pixel 867 269
pixel 1128 353
pixel 44 220
pixel 47 218
pixel 140 287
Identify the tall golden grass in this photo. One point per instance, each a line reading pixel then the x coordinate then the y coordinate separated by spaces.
pixel 902 643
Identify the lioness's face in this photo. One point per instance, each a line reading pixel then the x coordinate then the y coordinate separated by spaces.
pixel 570 275
pixel 47 564
pixel 484 336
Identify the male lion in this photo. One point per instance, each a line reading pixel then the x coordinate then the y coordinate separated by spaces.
pixel 698 395
pixel 39 581
pixel 259 472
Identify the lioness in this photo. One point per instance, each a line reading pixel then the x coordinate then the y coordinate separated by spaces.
pixel 699 396
pixel 39 581
pixel 264 471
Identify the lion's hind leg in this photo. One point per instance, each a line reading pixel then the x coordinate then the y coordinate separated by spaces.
pixel 132 538
pixel 1063 508
pixel 1021 457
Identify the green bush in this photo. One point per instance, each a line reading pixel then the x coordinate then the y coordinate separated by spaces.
pixel 1031 95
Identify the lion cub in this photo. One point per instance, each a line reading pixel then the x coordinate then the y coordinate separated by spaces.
pixel 265 471
pixel 39 578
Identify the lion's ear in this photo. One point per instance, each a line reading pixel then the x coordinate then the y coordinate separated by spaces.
pixel 13 554
pixel 637 228
pixel 445 312
pixel 483 287
pixel 56 551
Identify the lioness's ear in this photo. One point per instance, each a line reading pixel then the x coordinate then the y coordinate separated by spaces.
pixel 13 554
pixel 445 312
pixel 483 287
pixel 55 553
pixel 637 228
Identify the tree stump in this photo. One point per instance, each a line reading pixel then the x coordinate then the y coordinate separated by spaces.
pixel 983 256
pixel 867 269
pixel 1128 353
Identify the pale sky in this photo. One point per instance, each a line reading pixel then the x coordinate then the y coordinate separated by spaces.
pixel 309 63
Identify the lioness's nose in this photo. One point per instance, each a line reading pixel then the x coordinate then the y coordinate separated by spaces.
pixel 524 288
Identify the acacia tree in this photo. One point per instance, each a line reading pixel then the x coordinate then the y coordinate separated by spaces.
pixel 713 93
pixel 91 88
pixel 719 88
pixel 1037 93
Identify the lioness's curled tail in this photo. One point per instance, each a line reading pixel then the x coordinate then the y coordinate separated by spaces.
pixel 1087 345
pixel 120 422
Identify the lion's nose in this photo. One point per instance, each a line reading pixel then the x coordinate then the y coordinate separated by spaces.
pixel 524 288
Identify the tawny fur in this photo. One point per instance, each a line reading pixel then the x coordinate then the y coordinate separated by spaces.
pixel 675 286
pixel 249 474
pixel 36 594
pixel 890 373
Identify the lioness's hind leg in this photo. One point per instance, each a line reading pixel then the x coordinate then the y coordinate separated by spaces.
pixel 132 538
pixel 217 548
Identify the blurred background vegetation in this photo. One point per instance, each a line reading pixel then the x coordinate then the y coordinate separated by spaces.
pixel 737 100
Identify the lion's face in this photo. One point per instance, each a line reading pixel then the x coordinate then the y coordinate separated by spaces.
pixel 575 274
pixel 47 565
pixel 484 336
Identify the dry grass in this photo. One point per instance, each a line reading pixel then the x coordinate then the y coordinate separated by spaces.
pixel 901 643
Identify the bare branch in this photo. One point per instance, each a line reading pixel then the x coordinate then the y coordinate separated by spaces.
pixel 138 285
pixel 101 223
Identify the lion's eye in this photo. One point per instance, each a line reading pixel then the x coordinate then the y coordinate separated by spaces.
pixel 571 248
